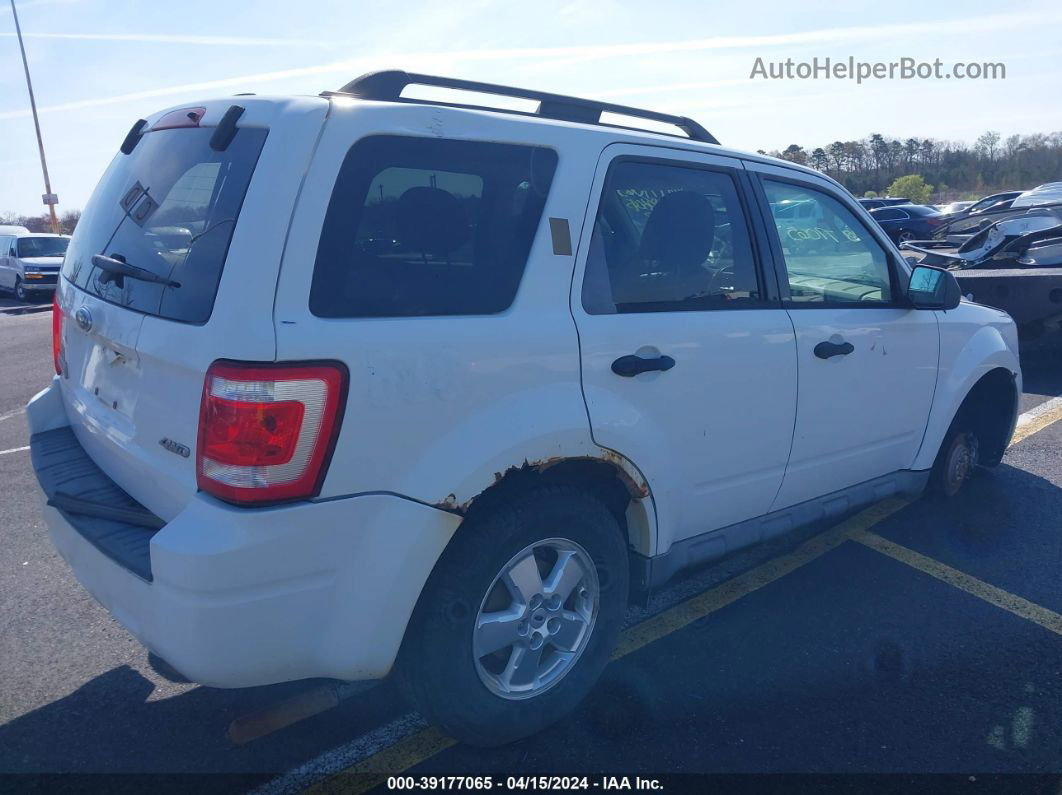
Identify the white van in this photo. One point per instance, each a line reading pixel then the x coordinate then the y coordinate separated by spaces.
pixel 359 383
pixel 30 262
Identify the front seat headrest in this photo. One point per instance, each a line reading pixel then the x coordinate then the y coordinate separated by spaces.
pixel 431 221
pixel 680 230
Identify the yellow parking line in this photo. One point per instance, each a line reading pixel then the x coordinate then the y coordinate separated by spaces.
pixel 419 747
pixel 1048 619
pixel 1036 423
pixel 374 770
pixel 706 603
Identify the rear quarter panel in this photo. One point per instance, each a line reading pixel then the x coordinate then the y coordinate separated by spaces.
pixel 439 408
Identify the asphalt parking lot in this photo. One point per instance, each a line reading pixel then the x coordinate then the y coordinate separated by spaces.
pixel 920 637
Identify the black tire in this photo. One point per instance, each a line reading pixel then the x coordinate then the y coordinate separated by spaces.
pixel 956 461
pixel 20 291
pixel 904 236
pixel 438 667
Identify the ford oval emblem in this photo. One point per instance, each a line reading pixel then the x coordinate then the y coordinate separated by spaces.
pixel 83 318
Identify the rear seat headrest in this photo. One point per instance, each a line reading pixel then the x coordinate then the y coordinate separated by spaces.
pixel 431 221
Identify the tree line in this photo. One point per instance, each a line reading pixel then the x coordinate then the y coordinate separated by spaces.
pixel 955 169
pixel 951 169
pixel 42 223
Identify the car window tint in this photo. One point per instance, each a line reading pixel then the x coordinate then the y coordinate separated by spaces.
pixel 423 226
pixel 669 238
pixel 830 258
pixel 169 207
pixel 886 214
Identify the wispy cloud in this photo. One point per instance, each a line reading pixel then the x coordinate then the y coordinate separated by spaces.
pixel 24 6
pixel 164 38
pixel 422 61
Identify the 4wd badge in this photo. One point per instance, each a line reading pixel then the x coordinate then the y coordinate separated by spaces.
pixel 175 447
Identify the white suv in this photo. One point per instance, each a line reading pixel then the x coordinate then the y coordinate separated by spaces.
pixel 357 382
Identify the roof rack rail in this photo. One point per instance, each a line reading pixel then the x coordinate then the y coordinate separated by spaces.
pixel 388 86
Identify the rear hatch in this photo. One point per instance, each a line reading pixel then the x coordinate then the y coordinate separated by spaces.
pixel 203 222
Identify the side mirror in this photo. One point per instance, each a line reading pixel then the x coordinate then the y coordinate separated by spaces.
pixel 933 288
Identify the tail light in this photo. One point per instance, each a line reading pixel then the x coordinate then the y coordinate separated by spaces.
pixel 266 432
pixel 934 221
pixel 57 334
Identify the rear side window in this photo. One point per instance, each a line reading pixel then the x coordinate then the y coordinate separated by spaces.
pixel 423 226
pixel 170 208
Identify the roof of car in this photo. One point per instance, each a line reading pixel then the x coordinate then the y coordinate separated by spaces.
pixel 560 112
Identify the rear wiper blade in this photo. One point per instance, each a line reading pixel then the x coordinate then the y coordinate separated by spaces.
pixel 120 268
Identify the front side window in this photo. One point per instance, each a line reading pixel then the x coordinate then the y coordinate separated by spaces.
pixel 829 255
pixel 423 226
pixel 669 238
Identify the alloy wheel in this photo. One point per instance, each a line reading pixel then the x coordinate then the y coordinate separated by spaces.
pixel 536 618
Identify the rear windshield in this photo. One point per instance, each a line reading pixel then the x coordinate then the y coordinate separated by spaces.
pixel 425 226
pixel 42 246
pixel 170 208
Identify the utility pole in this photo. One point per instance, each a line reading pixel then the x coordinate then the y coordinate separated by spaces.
pixel 49 198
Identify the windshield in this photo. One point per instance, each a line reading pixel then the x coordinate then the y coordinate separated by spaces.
pixel 169 207
pixel 42 246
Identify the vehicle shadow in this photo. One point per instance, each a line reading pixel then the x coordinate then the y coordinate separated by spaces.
pixel 110 734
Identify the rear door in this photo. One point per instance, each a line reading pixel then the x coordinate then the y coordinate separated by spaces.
pixel 208 238
pixel 867 361
pixel 688 359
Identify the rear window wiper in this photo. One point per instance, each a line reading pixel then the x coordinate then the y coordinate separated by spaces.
pixel 118 267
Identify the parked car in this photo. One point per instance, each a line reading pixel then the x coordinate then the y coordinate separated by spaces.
pixel 997 201
pixel 955 232
pixel 1002 199
pixel 889 201
pixel 954 207
pixel 29 263
pixel 906 222
pixel 9 229
pixel 1015 264
pixel 1048 193
pixel 585 358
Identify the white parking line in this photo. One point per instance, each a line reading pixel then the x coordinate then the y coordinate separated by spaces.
pixel 1028 416
pixel 14 450
pixel 8 415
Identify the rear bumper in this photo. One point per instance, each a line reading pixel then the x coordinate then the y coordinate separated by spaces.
pixel 241 597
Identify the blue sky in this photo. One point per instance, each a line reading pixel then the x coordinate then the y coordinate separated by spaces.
pixel 98 65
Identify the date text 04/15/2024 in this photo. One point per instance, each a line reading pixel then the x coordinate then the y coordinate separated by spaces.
pixel 544 783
